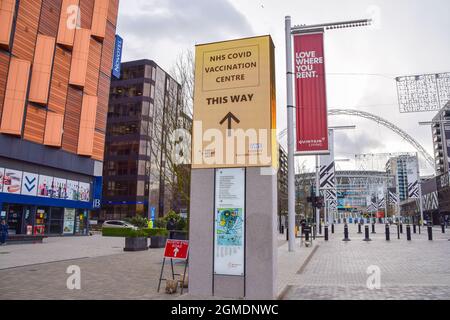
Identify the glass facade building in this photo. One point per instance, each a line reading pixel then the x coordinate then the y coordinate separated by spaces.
pixel 441 140
pixel 356 190
pixel 143 109
pixel 397 167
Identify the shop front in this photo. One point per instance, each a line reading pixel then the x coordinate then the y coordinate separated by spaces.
pixel 37 204
pixel 44 220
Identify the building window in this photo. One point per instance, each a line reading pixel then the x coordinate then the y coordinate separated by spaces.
pixel 124 110
pixel 133 73
pixel 127 92
pixel 122 129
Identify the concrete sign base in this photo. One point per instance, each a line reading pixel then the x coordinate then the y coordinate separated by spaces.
pixel 259 280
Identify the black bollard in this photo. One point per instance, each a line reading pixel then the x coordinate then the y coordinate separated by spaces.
pixel 388 231
pixel 326 233
pixel 359 228
pixel 401 228
pixel 346 233
pixel 373 228
pixel 314 232
pixel 287 234
pixel 320 228
pixel 282 229
pixel 443 227
pixel 307 234
pixel 414 229
pixel 332 228
pixel 367 238
pixel 408 232
pixel 419 229
pixel 398 230
pixel 430 232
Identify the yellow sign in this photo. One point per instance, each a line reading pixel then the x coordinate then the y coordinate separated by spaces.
pixel 234 105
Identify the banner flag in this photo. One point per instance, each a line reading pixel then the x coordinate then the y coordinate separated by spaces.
pixel 312 117
pixel 412 165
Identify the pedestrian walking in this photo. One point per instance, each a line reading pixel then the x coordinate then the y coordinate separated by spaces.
pixel 171 226
pixel 3 232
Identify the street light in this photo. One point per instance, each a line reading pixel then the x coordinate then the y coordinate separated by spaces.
pixel 290 106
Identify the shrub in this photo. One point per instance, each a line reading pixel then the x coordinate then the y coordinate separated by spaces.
pixel 138 221
pixel 180 222
pixel 172 215
pixel 156 232
pixel 159 223
pixel 116 232
pixel 130 233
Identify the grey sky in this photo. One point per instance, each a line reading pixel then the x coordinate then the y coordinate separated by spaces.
pixel 409 37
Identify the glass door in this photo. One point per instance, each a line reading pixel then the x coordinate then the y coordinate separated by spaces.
pixel 15 215
pixel 28 220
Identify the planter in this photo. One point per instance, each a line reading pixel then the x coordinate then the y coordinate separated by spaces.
pixel 135 244
pixel 178 235
pixel 157 242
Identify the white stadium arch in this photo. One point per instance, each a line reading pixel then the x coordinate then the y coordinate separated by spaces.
pixel 366 115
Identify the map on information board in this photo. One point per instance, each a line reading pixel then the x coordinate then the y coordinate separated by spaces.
pixel 229 227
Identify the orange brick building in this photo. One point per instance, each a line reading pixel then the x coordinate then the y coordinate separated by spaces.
pixel 55 72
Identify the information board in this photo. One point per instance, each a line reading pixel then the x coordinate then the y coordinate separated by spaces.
pixel 229 222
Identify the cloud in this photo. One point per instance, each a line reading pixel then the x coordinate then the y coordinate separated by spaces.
pixel 160 29
pixel 358 143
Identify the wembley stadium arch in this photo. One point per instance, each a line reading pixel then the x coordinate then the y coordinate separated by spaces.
pixel 366 115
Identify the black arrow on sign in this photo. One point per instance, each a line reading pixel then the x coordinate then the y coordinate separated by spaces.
pixel 229 117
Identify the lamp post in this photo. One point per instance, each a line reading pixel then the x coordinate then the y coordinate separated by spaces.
pixel 289 31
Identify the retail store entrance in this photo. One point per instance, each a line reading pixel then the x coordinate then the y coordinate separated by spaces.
pixel 43 220
pixel 20 218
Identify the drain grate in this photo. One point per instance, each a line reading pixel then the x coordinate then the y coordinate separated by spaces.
pixel 5 252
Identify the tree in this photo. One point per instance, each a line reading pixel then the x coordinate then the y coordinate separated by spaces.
pixel 171 136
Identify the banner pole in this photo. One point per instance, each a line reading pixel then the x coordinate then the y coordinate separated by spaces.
pixel 386 198
pixel 290 137
pixel 420 193
pixel 317 191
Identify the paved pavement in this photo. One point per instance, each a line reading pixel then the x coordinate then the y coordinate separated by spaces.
pixel 125 276
pixel 59 249
pixel 417 269
pixel 327 270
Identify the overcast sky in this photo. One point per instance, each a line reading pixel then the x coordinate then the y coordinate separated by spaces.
pixel 408 37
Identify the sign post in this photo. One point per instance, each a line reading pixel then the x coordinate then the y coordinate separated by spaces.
pixel 178 250
pixel 234 160
pixel 312 132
